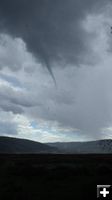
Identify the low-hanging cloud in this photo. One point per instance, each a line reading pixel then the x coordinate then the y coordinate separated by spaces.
pixel 8 128
pixel 51 29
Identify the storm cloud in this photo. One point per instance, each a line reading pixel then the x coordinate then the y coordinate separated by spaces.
pixel 72 38
pixel 51 29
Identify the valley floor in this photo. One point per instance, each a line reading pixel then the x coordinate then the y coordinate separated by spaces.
pixel 41 177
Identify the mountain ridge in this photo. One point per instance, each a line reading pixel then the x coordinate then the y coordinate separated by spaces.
pixel 26 146
pixel 97 146
pixel 18 145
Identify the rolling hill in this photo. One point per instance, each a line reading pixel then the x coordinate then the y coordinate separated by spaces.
pixel 14 145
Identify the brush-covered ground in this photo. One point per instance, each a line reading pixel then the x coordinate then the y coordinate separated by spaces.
pixel 42 177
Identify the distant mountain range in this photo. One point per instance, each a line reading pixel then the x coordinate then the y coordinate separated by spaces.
pixel 99 146
pixel 15 145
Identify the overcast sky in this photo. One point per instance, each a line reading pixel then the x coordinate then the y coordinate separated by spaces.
pixel 56 69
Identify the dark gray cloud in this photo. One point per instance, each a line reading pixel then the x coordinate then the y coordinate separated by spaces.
pixel 15 100
pixel 56 32
pixel 51 29
pixel 10 107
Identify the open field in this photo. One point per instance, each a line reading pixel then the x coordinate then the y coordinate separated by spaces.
pixel 54 177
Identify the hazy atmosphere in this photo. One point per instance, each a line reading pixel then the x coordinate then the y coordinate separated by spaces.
pixel 56 69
